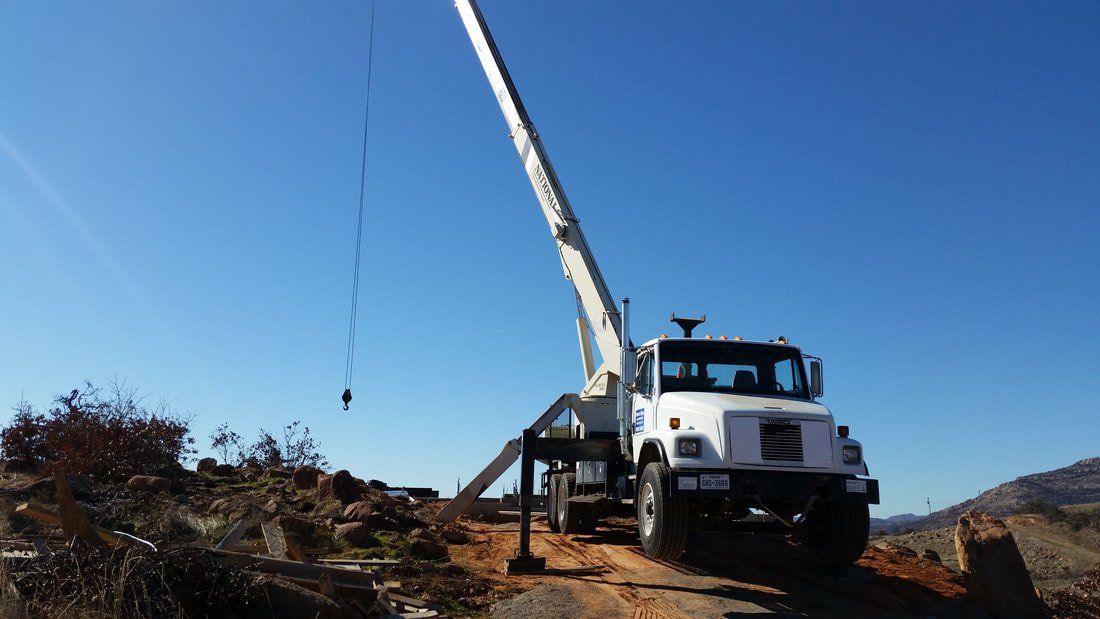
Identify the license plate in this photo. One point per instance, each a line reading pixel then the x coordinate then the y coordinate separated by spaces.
pixel 855 485
pixel 687 483
pixel 713 481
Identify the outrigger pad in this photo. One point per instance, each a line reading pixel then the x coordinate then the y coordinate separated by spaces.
pixel 524 565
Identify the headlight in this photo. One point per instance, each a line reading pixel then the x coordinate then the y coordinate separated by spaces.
pixel 851 454
pixel 688 446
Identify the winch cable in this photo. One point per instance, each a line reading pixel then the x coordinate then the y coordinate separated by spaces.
pixel 349 365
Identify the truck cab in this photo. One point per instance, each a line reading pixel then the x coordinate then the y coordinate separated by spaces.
pixel 724 428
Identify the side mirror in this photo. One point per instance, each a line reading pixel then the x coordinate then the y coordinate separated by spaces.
pixel 816 388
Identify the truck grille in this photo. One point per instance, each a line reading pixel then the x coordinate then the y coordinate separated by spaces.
pixel 781 441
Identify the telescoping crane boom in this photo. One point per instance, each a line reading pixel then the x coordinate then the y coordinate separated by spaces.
pixel 578 263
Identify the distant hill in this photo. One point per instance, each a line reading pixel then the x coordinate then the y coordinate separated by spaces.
pixel 894 524
pixel 1070 485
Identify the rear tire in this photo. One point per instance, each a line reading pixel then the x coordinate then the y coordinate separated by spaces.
pixel 552 503
pixel 838 532
pixel 663 521
pixel 569 516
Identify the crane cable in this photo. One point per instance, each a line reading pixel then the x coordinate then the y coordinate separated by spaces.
pixel 349 366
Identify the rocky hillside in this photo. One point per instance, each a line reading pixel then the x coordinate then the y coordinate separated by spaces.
pixel 1072 485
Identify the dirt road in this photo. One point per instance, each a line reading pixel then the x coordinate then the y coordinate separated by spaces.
pixel 722 576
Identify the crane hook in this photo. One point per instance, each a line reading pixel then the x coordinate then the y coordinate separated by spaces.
pixel 346 398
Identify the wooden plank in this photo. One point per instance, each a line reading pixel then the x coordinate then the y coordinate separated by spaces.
pixel 361 592
pixel 408 601
pixel 73 521
pixel 31 509
pixel 297 569
pixel 366 562
pixel 275 538
pixel 233 536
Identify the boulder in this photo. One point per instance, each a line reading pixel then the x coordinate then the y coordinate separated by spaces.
pixel 81 485
pixel 223 470
pixel 206 465
pixel 278 472
pixel 305 477
pixel 423 534
pixel 359 511
pixel 355 533
pixel 427 549
pixel 931 555
pixel 455 535
pixel 340 485
pixel 996 577
pixel 233 508
pixel 148 483
pixel 295 524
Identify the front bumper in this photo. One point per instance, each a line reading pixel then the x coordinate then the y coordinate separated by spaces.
pixel 773 486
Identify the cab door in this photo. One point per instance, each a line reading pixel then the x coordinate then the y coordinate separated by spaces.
pixel 643 411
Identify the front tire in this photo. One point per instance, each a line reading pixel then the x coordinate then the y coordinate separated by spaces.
pixel 663 521
pixel 552 504
pixel 838 532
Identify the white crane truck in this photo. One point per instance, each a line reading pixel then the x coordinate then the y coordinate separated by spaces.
pixel 684 432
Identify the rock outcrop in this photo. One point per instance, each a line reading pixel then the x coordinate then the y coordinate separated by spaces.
pixel 340 485
pixel 997 579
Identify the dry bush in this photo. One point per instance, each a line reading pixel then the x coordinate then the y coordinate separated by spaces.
pixel 109 437
pixel 186 582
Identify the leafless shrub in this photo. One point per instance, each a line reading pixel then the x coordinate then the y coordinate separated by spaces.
pixel 296 448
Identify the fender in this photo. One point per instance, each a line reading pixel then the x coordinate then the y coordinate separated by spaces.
pixel 660 448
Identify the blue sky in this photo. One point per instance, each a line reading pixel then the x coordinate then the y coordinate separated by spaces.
pixel 906 190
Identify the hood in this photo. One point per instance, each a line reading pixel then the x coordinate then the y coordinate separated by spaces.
pixel 718 404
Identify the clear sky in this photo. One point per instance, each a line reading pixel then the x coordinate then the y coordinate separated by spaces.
pixel 908 190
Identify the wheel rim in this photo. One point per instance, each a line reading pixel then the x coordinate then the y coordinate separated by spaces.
pixel 648 510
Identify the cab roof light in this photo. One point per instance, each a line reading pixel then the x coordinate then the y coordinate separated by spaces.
pixel 708 337
pixel 664 336
pixel 738 338
pixel 782 340
pixel 722 337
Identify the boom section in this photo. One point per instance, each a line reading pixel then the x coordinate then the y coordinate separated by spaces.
pixel 577 260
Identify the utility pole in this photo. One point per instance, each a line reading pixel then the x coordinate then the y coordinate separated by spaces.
pixel 928 500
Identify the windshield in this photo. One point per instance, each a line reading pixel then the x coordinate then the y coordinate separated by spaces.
pixel 726 367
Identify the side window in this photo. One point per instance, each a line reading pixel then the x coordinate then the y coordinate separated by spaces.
pixel 786 376
pixel 645 374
